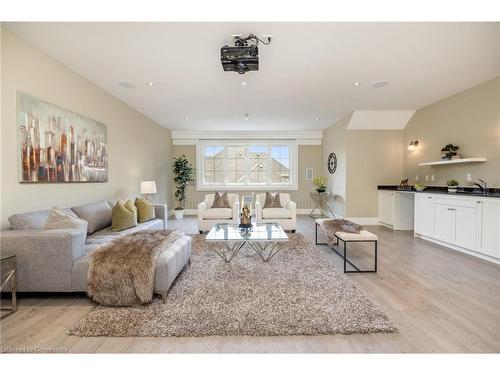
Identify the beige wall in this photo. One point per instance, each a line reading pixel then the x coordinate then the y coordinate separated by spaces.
pixel 139 149
pixel 366 159
pixel 471 120
pixel 309 157
pixel 335 140
pixel 374 157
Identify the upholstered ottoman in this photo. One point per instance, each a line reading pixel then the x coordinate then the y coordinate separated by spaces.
pixel 168 266
pixel 345 238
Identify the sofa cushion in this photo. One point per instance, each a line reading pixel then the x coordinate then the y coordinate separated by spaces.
pixel 60 220
pixel 145 210
pixel 124 216
pixel 33 220
pixel 106 235
pixel 218 213
pixel 276 213
pixel 97 214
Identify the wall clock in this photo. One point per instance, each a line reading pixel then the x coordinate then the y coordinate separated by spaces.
pixel 332 163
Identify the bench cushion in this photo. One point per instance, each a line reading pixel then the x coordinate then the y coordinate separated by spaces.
pixel 363 235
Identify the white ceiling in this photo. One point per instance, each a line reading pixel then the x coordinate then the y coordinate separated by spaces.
pixel 306 73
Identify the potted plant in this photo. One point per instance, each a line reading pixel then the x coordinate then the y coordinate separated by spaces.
pixel 183 174
pixel 449 151
pixel 452 186
pixel 320 183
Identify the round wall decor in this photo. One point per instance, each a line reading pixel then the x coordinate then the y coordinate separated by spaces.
pixel 332 163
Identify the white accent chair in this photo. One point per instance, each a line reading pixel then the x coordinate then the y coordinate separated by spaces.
pixel 286 216
pixel 208 217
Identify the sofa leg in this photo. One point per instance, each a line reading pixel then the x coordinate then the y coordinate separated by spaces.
pixel 201 232
pixel 164 296
pixel 293 230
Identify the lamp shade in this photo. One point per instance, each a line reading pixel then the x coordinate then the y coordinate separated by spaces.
pixel 148 187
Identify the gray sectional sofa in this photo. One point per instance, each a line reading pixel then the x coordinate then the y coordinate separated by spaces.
pixel 57 260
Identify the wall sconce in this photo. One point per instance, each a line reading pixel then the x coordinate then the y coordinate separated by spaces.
pixel 412 146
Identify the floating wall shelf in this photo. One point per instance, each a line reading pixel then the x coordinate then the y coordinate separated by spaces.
pixel 454 161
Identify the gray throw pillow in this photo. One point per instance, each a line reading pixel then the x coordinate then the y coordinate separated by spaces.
pixel 272 201
pixel 221 200
pixel 97 215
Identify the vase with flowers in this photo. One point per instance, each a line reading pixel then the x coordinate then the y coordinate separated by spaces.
pixel 320 183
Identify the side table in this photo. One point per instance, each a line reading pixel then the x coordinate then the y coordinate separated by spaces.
pixel 322 202
pixel 9 275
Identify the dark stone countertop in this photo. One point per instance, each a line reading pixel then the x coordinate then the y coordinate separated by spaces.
pixel 462 191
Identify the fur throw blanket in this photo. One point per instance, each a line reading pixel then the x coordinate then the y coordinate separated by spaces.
pixel 331 226
pixel 122 272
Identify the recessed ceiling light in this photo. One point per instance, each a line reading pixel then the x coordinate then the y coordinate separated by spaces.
pixel 187 118
pixel 317 118
pixel 356 83
pixel 243 83
pixel 126 84
pixel 379 84
pixel 151 84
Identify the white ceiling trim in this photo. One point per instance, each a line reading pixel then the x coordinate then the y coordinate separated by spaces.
pixel 379 120
pixel 307 137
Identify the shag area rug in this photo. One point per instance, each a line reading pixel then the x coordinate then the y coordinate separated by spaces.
pixel 297 293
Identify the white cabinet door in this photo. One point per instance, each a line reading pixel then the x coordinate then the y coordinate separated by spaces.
pixel 488 215
pixel 386 207
pixel 465 219
pixel 424 215
pixel 443 223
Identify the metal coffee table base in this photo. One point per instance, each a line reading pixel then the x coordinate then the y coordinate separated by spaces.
pixel 228 250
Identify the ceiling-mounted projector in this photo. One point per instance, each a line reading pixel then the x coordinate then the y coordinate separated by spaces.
pixel 242 57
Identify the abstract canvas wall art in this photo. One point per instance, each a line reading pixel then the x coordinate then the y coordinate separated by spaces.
pixel 57 145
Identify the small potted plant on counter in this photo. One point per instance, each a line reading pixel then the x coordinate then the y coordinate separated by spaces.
pixel 320 183
pixel 452 186
pixel 419 187
pixel 183 172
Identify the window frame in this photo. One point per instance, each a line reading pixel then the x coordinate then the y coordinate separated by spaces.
pixel 200 165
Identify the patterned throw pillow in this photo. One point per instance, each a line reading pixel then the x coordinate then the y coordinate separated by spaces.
pixel 124 216
pixel 61 220
pixel 145 210
pixel 272 201
pixel 221 200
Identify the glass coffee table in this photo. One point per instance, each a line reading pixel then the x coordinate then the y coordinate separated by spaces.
pixel 263 238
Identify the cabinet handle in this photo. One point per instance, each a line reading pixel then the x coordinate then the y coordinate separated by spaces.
pixel 479 202
pixel 429 197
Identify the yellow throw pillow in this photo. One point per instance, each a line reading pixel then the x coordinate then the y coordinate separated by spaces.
pixel 123 216
pixel 145 210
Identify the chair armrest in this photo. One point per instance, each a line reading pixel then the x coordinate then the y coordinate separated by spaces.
pixel 258 210
pixel 202 207
pixel 161 212
pixel 292 206
pixel 236 212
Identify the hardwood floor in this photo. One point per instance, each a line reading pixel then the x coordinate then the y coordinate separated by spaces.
pixel 441 300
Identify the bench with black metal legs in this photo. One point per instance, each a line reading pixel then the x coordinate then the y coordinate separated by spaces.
pixel 345 238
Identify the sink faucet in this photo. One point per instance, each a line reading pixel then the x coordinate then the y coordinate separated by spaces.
pixel 481 184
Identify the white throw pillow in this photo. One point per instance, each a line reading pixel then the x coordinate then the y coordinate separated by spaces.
pixel 60 220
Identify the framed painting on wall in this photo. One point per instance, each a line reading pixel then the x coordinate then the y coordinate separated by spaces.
pixel 57 145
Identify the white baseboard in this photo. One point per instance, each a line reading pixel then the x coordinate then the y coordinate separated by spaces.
pixel 364 220
pixel 303 211
pixel 187 211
